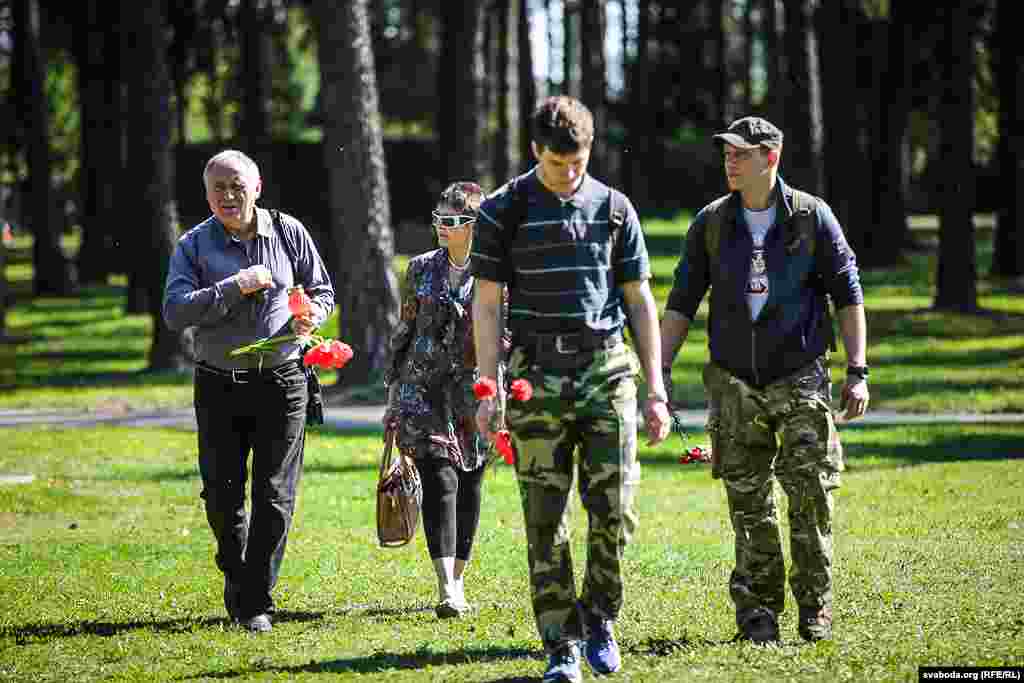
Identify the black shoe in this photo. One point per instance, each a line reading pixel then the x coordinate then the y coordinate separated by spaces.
pixel 233 599
pixel 758 625
pixel 815 623
pixel 258 624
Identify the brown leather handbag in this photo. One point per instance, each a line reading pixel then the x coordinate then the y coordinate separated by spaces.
pixel 399 496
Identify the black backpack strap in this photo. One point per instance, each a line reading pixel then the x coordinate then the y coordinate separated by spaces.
pixel 289 248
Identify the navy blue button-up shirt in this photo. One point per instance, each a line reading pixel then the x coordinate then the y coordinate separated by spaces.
pixel 202 288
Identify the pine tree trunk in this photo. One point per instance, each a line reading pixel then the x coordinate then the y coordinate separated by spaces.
pixel 98 59
pixel 366 289
pixel 461 90
pixel 1008 254
pixel 527 88
pixel 149 170
pixel 594 83
pixel 956 279
pixel 801 161
pixel 51 270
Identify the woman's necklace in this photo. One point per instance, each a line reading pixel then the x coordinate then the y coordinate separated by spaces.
pixel 453 264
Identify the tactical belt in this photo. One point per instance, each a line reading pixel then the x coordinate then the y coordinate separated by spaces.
pixel 247 375
pixel 567 350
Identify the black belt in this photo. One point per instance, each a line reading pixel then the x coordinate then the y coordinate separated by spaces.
pixel 246 375
pixel 567 344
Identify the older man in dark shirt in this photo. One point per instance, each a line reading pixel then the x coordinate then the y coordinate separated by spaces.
pixel 229 278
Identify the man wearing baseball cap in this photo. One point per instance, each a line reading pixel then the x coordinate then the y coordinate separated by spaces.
pixel 772 255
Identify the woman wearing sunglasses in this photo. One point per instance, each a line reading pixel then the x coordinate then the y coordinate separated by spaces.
pixel 430 391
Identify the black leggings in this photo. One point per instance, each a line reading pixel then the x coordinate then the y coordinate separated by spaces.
pixel 451 507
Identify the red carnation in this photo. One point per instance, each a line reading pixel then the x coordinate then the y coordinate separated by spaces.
pixel 695 454
pixel 299 302
pixel 485 387
pixel 503 442
pixel 340 354
pixel 521 390
pixel 319 355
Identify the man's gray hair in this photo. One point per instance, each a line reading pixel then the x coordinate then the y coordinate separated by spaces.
pixel 231 157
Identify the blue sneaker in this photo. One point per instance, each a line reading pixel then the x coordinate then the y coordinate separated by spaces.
pixel 564 665
pixel 602 650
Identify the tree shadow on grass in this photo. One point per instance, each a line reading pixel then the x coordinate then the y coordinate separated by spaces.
pixel 382 662
pixel 25 633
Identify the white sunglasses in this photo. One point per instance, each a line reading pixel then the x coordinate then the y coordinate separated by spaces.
pixel 447 221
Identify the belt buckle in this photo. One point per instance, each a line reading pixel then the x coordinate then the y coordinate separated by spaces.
pixel 561 348
pixel 235 374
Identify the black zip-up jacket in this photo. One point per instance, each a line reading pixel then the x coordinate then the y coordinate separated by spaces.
pixel 792 329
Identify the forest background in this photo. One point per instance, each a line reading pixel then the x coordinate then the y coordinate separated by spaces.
pixel 359 112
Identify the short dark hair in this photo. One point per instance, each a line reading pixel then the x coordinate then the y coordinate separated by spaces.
pixel 463 196
pixel 562 124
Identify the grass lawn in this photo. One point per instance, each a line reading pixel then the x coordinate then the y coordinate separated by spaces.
pixel 106 569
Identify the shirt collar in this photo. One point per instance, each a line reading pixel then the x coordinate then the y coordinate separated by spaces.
pixel 578 198
pixel 264 228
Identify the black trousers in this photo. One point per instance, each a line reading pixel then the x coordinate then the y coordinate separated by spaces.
pixel 267 417
pixel 451 507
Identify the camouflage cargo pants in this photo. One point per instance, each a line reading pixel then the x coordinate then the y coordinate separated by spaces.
pixel 784 432
pixel 591 410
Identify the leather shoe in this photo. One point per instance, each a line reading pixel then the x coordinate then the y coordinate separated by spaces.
pixel 258 624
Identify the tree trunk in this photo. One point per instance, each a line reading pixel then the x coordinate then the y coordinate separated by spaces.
pixel 527 88
pixel 845 162
pixel 257 72
pixel 52 273
pixel 593 23
pixel 641 112
pixel 956 279
pixel 749 38
pixel 572 70
pixel 366 289
pixel 774 83
pixel 884 234
pixel 98 58
pixel 507 145
pixel 803 100
pixel 461 75
pixel 149 177
pixel 720 83
pixel 1008 254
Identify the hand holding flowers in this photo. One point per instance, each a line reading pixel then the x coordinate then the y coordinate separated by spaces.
pixel 486 389
pixel 324 353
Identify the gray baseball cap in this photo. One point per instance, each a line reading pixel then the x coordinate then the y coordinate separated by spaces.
pixel 751 132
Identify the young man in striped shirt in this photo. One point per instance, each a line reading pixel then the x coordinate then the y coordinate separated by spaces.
pixel 571 252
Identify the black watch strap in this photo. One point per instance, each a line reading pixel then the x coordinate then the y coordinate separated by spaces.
pixel 857 371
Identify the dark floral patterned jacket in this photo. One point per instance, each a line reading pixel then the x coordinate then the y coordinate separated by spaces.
pixel 433 366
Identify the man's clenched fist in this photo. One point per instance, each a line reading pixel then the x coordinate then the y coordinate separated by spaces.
pixel 254 278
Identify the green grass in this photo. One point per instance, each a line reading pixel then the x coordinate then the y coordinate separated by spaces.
pixel 106 569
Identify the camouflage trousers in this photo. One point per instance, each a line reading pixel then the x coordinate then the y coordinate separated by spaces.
pixel 784 432
pixel 590 411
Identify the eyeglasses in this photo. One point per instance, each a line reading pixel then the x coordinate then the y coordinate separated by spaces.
pixel 450 221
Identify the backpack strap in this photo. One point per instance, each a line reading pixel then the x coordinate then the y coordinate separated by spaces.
pixel 713 222
pixel 289 248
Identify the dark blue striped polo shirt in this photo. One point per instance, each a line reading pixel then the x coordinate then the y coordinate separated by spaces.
pixel 561 268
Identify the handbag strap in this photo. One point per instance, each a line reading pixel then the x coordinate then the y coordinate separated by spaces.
pixel 386 457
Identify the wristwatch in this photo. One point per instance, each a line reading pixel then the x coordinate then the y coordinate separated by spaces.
pixel 860 371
